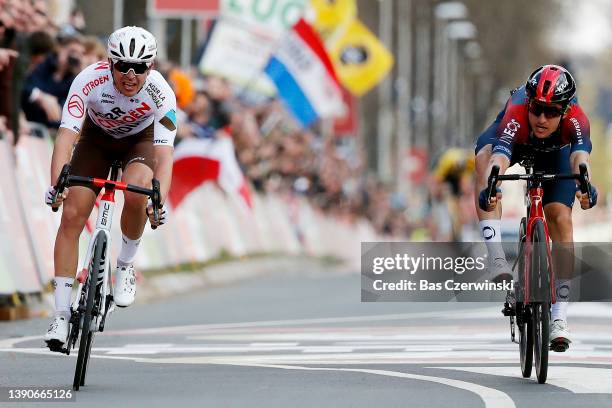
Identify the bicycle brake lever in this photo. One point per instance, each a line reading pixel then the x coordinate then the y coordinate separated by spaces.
pixel 62 180
pixel 584 181
pixel 156 202
pixel 585 184
pixel 491 184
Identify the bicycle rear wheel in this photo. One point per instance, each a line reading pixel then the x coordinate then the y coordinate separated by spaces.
pixel 86 333
pixel 540 284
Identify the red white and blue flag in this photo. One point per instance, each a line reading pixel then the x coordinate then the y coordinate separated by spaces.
pixel 197 161
pixel 304 76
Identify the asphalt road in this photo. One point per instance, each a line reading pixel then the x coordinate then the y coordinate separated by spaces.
pixel 305 340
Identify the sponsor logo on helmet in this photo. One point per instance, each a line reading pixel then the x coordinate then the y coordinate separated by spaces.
pixel 561 87
pixel 533 81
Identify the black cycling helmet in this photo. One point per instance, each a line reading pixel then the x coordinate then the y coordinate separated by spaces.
pixel 551 84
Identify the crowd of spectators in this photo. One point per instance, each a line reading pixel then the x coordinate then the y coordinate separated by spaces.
pixel 39 59
pixel 277 156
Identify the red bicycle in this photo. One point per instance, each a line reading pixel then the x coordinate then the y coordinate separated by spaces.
pixel 534 293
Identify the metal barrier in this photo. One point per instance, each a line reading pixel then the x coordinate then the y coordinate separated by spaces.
pixel 207 223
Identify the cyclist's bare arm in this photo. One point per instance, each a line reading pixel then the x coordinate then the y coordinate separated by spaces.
pixel 578 157
pixel 163 169
pixel 62 150
pixel 499 160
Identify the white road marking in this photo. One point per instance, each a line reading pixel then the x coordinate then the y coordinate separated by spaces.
pixel 579 380
pixel 10 342
pixel 492 312
pixel 491 397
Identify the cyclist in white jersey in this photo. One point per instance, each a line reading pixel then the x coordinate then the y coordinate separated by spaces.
pixel 123 110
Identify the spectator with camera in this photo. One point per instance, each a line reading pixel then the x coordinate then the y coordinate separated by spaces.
pixel 47 86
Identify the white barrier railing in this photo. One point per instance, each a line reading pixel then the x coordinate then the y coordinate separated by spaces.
pixel 207 223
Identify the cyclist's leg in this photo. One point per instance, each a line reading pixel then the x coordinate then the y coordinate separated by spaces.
pixel 558 200
pixel 87 160
pixel 77 207
pixel 489 222
pixel 133 217
pixel 139 162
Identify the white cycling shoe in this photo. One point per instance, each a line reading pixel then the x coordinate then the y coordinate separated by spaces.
pixel 559 336
pixel 125 288
pixel 500 270
pixel 57 334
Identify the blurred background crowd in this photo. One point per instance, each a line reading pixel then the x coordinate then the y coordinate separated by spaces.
pixel 423 191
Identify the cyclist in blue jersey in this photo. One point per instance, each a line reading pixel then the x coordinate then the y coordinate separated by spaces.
pixel 542 119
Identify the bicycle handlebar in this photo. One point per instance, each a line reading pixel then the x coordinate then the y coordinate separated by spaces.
pixel 65 179
pixel 582 177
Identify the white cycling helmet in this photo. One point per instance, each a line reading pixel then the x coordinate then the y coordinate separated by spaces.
pixel 132 44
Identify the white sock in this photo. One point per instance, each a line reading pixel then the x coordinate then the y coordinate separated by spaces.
pixel 559 309
pixel 128 251
pixel 63 292
pixel 491 235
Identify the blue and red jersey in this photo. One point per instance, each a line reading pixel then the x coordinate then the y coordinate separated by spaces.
pixel 511 128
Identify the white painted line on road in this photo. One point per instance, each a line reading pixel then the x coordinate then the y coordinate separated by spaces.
pixel 149 345
pixel 10 342
pixel 271 344
pixel 440 314
pixel 326 349
pixel 491 397
pixel 579 380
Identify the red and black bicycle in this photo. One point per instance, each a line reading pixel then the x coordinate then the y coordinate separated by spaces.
pixel 534 292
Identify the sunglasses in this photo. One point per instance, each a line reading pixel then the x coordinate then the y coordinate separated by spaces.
pixel 550 112
pixel 124 67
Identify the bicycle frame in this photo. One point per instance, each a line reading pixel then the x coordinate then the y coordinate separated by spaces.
pixel 103 226
pixel 535 209
pixel 535 212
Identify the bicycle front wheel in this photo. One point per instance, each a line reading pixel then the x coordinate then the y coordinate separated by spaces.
pixel 523 312
pixel 540 285
pixel 96 263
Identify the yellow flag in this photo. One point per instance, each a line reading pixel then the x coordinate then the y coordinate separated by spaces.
pixel 360 59
pixel 330 14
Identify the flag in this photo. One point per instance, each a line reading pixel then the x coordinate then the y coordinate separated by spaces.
pixel 238 53
pixel 330 15
pixel 360 59
pixel 304 76
pixel 197 161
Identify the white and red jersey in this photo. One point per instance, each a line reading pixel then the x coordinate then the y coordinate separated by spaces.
pixel 94 93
